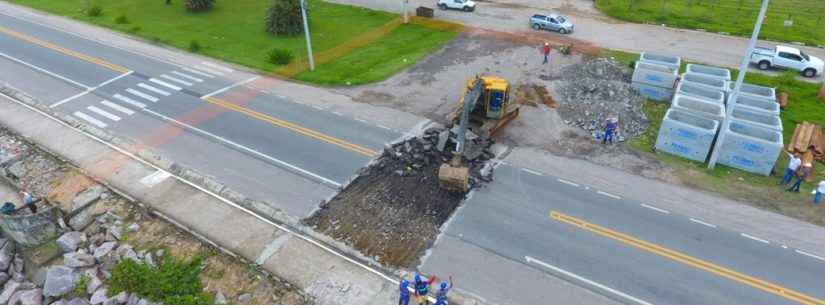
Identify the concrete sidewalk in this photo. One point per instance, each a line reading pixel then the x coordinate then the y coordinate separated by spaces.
pixel 329 277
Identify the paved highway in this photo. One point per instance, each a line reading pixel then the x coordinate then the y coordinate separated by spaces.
pixel 633 252
pixel 206 116
pixel 510 241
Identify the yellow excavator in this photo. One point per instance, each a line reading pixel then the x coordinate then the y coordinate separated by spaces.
pixel 484 109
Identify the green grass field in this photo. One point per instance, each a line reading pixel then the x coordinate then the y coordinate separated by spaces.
pixel 759 190
pixel 234 31
pixel 732 16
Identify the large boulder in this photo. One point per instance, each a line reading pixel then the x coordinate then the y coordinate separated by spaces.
pixel 86 197
pixel 71 241
pixel 77 301
pixel 99 297
pixel 94 281
pixel 104 249
pixel 8 290
pixel 6 255
pixel 59 281
pixel 78 260
pixel 27 297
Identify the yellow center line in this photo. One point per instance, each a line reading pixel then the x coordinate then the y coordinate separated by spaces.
pixel 296 128
pixel 63 50
pixel 690 261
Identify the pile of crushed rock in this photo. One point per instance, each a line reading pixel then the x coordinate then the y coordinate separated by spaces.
pixel 597 90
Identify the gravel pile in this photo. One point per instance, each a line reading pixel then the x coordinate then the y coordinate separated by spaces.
pixel 597 90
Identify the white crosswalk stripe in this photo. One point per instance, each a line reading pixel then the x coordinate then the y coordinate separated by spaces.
pixel 117 107
pixel 210 71
pixel 129 101
pixel 90 119
pixel 219 67
pixel 153 89
pixel 177 80
pixel 104 113
pixel 204 74
pixel 187 76
pixel 165 84
pixel 142 95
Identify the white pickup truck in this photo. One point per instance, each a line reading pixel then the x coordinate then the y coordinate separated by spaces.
pixel 787 58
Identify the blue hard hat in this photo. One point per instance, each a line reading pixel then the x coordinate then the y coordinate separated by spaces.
pixel 405 283
pixel 443 285
pixel 417 278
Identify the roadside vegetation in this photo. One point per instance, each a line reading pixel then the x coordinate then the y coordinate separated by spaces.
pixel 735 17
pixel 735 184
pixel 238 31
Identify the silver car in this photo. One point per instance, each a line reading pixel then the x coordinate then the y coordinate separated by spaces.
pixel 553 22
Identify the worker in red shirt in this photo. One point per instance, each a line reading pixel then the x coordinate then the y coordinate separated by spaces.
pixel 546 52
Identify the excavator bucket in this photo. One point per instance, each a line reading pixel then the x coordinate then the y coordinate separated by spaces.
pixel 454 177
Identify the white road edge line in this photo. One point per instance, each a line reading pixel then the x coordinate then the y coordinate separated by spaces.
pixel 219 67
pixel 66 100
pixel 143 95
pixel 66 79
pixel 165 84
pixel 153 89
pixel 754 238
pixel 117 107
pixel 589 282
pixel 216 196
pixel 187 76
pixel 527 170
pixel 224 89
pixel 571 183
pixel 103 113
pixel 129 101
pixel 288 166
pixel 663 211
pixel 703 223
pixel 608 195
pixel 90 119
pixel 810 255
pixel 177 80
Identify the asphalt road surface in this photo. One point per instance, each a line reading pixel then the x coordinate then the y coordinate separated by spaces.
pixel 208 117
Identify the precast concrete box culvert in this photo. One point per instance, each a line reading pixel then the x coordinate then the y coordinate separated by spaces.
pixel 750 147
pixel 705 80
pixel 759 119
pixel 654 93
pixel 757 91
pixel 686 135
pixel 701 92
pixel 674 62
pixel 708 71
pixel 699 107
pixel 756 104
pixel 655 75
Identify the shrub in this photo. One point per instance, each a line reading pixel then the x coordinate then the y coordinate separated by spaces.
pixel 173 281
pixel 94 11
pixel 279 56
pixel 135 29
pixel 122 19
pixel 199 5
pixel 80 287
pixel 194 46
pixel 284 18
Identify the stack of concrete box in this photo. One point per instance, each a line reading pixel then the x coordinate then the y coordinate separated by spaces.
pixel 655 76
pixel 757 104
pixel 705 80
pixel 698 106
pixel 686 134
pixel 762 92
pixel 716 72
pixel 750 148
pixel 701 91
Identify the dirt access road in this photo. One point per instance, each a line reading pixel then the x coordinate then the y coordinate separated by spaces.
pixel 594 28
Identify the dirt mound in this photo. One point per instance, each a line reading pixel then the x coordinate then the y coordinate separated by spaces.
pixel 597 90
pixel 533 95
pixel 394 209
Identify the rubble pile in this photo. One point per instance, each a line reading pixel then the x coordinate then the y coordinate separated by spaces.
pixel 597 90
pixel 393 210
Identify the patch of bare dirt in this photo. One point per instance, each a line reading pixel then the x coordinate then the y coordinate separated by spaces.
pixel 533 95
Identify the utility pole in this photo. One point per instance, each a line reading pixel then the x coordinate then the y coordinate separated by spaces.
pixel 404 8
pixel 743 68
pixel 306 33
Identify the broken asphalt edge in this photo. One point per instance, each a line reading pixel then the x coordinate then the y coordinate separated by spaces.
pixel 209 186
